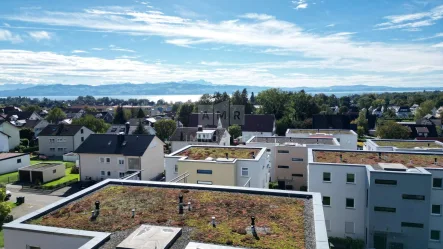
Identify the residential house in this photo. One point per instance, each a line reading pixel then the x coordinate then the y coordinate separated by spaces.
pixel 13 133
pixel 184 136
pixel 403 112
pixel 73 113
pixel 128 129
pixel 57 140
pixel 8 109
pixel 378 111
pixel 258 125
pixel 108 117
pixel 219 165
pixel 420 131
pixel 347 138
pixel 289 157
pixel 19 119
pixel 4 142
pixel 36 125
pixel 104 156
pixel 11 162
pixel 430 119
pixel 387 199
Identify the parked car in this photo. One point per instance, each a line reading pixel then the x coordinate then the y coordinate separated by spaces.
pixel 43 157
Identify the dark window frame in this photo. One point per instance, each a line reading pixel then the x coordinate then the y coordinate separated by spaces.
pixel 412 225
pixel 283 151
pixel 385 182
pixel 283 167
pixel 413 197
pixel 204 171
pixel 385 209
pixel 330 177
pixel 326 198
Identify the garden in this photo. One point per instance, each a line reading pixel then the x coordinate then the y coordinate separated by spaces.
pixel 201 153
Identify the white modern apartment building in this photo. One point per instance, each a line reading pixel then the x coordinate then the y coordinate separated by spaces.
pixel 104 156
pixel 403 145
pixel 388 199
pixel 219 165
pixel 347 138
pixel 289 157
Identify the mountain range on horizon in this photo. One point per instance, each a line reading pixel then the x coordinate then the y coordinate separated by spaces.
pixel 178 88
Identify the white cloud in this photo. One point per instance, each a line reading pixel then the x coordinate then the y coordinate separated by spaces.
pixel 410 22
pixel 97 49
pixel 256 16
pixel 6 35
pixel 438 45
pixel 123 50
pixel 300 4
pixel 79 52
pixel 330 25
pixel 40 35
pixel 6 25
pixel 431 37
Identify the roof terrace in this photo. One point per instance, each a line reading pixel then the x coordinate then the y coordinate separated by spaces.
pixel 296 140
pixel 409 144
pixel 203 152
pixel 282 220
pixel 410 160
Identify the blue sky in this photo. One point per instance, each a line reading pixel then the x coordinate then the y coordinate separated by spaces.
pixel 269 43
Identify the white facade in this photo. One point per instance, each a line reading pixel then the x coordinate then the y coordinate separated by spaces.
pixel 423 145
pixel 14 162
pixel 114 166
pixel 224 141
pixel 347 138
pixel 246 135
pixel 13 132
pixel 60 145
pixel 4 142
pixel 40 126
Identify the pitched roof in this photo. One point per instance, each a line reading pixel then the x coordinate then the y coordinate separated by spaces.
pixel 20 115
pixel 259 122
pixel 60 130
pixel 190 134
pixel 422 129
pixel 116 129
pixel 128 145
pixel 31 123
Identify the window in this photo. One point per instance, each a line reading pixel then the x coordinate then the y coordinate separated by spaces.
pixel 437 183
pixel 204 171
pixel 436 209
pixel 350 203
pixel 121 174
pixel 109 173
pixel 411 224
pixel 349 227
pixel 52 149
pixel 121 161
pixel 326 176
pixel 297 175
pixel 385 209
pixel 102 173
pixel 176 168
pixel 326 201
pixel 102 160
pixel 283 167
pixel 83 139
pixel 52 140
pixel 385 182
pixel 204 182
pixel 244 172
pixel 19 160
pixel 268 150
pixel 32 247
pixel 108 160
pixel 435 235
pixel 283 151
pixel 413 197
pixel 59 149
pixel 350 178
pixel 297 159
pixel 54 171
pixel 81 131
pixel 328 225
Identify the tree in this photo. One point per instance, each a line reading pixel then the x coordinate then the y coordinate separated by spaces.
pixel 302 106
pixel 140 128
pixel 360 131
pixel 164 128
pixel 94 124
pixel 273 101
pixel 392 130
pixel 235 131
pixel 90 110
pixel 362 121
pixel 119 117
pixel 161 102
pixel 345 101
pixel 343 110
pixel 32 108
pixel 389 113
pixel 252 98
pixel 282 125
pixel 5 209
pixel 184 112
pixel 141 113
pixel 27 133
pixel 424 109
pixel 55 115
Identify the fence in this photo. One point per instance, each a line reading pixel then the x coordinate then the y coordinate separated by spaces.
pixel 11 179
pixel 70 157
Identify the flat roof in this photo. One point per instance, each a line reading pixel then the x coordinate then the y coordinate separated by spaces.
pixel 202 152
pixel 316 131
pixel 284 219
pixel 8 155
pixel 297 140
pixel 40 166
pixel 374 158
pixel 409 144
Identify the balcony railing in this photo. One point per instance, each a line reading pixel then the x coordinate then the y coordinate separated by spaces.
pixel 183 177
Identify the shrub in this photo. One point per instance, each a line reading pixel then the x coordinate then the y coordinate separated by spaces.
pixel 24 142
pixel 348 242
pixel 69 165
pixel 30 149
pixel 273 185
pixel 75 170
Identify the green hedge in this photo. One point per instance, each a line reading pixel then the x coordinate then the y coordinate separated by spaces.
pixel 30 149
pixel 61 185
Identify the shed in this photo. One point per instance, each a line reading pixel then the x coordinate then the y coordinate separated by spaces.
pixel 41 172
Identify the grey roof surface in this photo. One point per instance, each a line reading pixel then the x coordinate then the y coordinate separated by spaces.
pixel 128 145
pixel 60 130
pixel 116 129
pixel 259 122
pixel 40 166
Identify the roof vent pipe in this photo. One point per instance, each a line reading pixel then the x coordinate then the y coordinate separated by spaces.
pixel 253 155
pixel 227 155
pixel 213 222
pixel 341 158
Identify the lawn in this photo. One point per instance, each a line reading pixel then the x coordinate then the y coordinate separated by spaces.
pixel 280 220
pixel 2 240
pixel 201 153
pixel 68 177
pixel 9 177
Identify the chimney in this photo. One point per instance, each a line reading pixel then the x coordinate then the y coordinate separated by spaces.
pixel 127 126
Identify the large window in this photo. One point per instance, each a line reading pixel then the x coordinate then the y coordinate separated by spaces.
pixel 204 171
pixel 244 172
pixel 297 175
pixel 326 201
pixel 385 182
pixel 350 178
pixel 283 167
pixel 435 235
pixel 413 197
pixel 437 183
pixel 411 224
pixel 385 209
pixel 436 209
pixel 350 203
pixel 326 176
pixel 19 160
